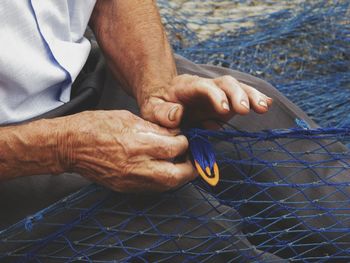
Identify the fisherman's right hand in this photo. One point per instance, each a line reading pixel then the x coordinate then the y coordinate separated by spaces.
pixel 123 152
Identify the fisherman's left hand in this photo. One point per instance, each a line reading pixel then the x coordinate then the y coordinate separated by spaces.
pixel 201 99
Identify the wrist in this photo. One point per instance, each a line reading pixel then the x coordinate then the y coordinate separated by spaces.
pixel 29 149
pixel 65 137
pixel 156 81
pixel 44 139
pixel 155 88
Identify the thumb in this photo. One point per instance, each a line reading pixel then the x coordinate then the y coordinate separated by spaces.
pixel 164 113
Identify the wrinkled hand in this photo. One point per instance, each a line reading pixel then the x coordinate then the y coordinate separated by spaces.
pixel 123 152
pixel 201 99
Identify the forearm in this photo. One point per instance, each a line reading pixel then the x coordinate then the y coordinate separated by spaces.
pixel 133 40
pixel 29 149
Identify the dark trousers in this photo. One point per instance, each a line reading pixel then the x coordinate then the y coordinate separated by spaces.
pixel 24 196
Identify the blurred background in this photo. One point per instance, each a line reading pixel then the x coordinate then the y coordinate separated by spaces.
pixel 301 47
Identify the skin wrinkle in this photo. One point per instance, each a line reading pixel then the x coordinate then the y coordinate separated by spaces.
pixel 141 22
pixel 66 153
pixel 26 154
pixel 117 160
pixel 110 147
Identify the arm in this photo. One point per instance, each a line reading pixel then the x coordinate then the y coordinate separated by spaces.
pixel 114 148
pixel 136 47
pixel 133 40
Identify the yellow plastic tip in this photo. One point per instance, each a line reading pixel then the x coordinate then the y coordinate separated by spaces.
pixel 207 169
pixel 207 176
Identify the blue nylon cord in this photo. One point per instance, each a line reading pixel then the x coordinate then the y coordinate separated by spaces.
pixel 304 51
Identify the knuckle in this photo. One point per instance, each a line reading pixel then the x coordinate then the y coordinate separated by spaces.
pixel 171 181
pixel 199 81
pixel 170 150
pixel 126 168
pixel 253 92
pixel 148 125
pixel 144 110
pixel 228 79
pixel 209 87
pixel 247 88
pixel 183 142
pixel 125 113
pixel 187 78
pixel 195 77
pixel 186 75
pixel 127 116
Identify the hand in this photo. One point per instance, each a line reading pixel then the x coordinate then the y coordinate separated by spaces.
pixel 123 152
pixel 201 99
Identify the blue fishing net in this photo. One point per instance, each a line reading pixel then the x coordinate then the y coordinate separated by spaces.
pixel 283 194
pixel 301 47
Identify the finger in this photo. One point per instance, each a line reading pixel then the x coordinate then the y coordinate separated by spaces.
pixel 169 175
pixel 259 101
pixel 147 125
pixel 160 146
pixel 205 88
pixel 238 98
pixel 139 124
pixel 167 114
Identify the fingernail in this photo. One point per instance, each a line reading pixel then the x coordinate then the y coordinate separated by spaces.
pixel 225 105
pixel 245 104
pixel 172 113
pixel 263 103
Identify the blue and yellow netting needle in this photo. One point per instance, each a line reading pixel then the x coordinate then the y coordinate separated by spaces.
pixel 204 158
pixel 212 178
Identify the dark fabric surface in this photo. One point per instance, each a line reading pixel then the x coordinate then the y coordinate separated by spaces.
pixel 24 196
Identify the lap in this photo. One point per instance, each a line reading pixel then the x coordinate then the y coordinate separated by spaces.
pixel 22 197
pixel 27 195
pixel 281 115
pixel 267 203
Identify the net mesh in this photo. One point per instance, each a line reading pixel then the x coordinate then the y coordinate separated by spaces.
pixel 301 47
pixel 275 200
pixel 283 194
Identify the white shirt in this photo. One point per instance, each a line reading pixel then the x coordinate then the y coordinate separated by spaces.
pixel 42 50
